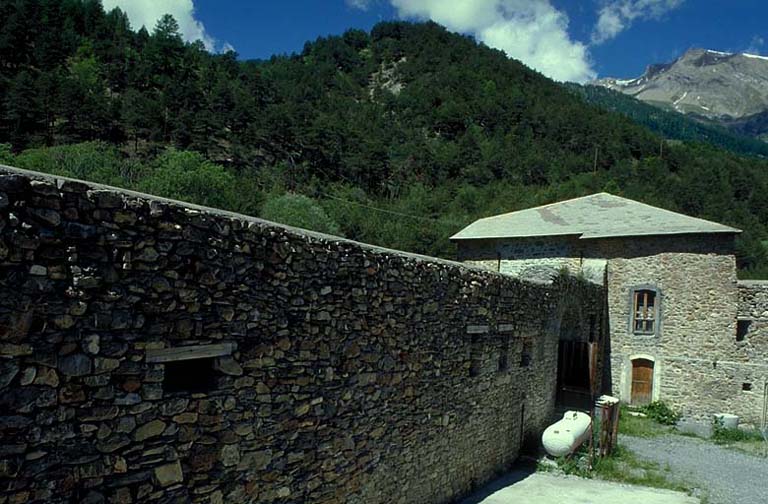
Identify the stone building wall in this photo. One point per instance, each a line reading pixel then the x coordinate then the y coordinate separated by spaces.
pixel 699 366
pixel 535 259
pixel 324 370
pixel 752 341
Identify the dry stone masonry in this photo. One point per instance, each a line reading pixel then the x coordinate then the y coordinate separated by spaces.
pixel 709 351
pixel 156 351
pixel 752 347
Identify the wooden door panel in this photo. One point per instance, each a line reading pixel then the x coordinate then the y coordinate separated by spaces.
pixel 642 381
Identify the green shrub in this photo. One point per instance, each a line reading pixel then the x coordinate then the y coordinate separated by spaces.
pixel 188 176
pixel 577 463
pixel 728 435
pixel 6 156
pixel 94 161
pixel 299 211
pixel 660 412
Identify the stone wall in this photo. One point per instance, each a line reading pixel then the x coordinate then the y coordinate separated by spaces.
pixel 700 366
pixel 535 259
pixel 752 342
pixel 325 370
pixel 695 278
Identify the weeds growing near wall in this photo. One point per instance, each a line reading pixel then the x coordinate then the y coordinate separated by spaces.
pixel 622 466
pixel 725 435
pixel 661 413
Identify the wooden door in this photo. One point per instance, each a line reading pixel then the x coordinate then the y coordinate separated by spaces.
pixel 642 381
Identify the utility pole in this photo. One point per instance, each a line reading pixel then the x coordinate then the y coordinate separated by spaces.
pixel 594 164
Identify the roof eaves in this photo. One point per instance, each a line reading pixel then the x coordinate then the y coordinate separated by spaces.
pixel 456 237
pixel 727 230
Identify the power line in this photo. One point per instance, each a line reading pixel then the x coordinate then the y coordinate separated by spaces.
pixel 391 212
pixel 382 210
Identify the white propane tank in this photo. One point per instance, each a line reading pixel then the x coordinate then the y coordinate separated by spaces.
pixel 564 436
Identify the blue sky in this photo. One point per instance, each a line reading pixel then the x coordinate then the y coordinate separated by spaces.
pixel 565 39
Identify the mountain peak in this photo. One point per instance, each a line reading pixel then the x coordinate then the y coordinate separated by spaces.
pixel 699 51
pixel 705 82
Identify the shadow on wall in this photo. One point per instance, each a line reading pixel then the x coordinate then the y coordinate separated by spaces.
pixel 607 376
pixel 583 353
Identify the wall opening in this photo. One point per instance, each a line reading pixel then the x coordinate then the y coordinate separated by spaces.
pixel 742 328
pixel 746 387
pixel 503 360
pixel 475 356
pixel 573 371
pixel 526 355
pixel 192 376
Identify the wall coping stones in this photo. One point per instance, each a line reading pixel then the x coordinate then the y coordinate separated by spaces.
pixel 111 194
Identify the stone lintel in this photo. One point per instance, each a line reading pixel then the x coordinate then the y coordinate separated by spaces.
pixel 189 352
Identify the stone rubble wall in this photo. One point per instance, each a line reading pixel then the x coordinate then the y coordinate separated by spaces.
pixel 358 374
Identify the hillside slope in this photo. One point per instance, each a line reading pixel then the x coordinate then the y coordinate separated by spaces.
pixel 731 88
pixel 397 137
pixel 671 125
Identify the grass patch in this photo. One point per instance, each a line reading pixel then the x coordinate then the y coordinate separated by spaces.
pixel 640 426
pixel 758 449
pixel 752 441
pixel 622 466
pixel 724 435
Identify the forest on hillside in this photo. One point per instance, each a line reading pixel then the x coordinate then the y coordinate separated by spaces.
pixel 670 124
pixel 398 137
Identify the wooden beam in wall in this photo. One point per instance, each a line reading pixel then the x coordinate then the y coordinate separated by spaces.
pixel 190 352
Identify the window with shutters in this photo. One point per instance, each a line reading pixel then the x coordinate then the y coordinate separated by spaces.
pixel 645 311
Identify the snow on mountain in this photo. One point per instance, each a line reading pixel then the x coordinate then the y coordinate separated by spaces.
pixel 713 84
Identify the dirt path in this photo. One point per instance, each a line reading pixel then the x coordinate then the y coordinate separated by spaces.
pixel 727 476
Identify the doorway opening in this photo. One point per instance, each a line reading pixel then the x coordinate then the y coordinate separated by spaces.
pixel 574 365
pixel 642 382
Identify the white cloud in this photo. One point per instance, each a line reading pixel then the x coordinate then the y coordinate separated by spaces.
pixel 532 31
pixel 147 12
pixel 616 16
pixel 359 4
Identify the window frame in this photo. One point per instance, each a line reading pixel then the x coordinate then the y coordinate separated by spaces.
pixel 633 293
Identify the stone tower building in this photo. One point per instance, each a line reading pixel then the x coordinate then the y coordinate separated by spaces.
pixel 682 328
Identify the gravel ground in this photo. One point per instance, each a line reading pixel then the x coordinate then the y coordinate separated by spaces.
pixel 727 476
